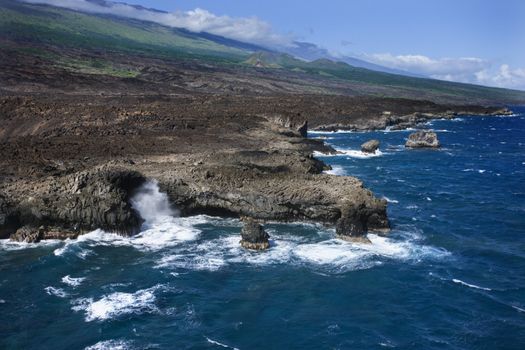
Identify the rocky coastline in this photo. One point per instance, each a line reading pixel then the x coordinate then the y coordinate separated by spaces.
pixel 69 171
pixel 389 121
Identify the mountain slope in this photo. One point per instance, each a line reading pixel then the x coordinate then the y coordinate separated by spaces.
pixel 95 46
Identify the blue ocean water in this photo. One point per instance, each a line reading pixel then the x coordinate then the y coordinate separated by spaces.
pixel 451 275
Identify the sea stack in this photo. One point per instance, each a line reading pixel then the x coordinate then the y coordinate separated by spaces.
pixel 253 235
pixel 352 226
pixel 370 146
pixel 423 139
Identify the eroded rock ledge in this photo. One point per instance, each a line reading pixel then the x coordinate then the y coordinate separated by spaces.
pixel 279 181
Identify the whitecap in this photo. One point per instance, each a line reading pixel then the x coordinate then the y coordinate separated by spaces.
pixel 518 308
pixel 458 281
pixel 58 292
pixel 214 342
pixel 73 282
pixel 111 345
pixel 390 200
pixel 117 304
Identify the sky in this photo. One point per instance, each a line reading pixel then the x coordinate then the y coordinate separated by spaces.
pixel 474 41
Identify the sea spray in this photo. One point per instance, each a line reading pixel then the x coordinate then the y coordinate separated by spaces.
pixel 152 204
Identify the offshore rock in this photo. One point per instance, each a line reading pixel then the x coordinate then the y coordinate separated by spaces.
pixel 423 139
pixel 357 220
pixel 370 146
pixel 253 235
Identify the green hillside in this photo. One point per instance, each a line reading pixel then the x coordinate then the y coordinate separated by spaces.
pixel 56 26
pixel 65 38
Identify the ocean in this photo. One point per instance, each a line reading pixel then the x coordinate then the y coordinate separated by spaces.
pixel 450 275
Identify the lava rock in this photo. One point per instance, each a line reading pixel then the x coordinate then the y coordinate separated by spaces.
pixel 423 139
pixel 28 234
pixel 8 219
pixel 370 146
pixel 253 235
pixel 352 225
pixel 303 129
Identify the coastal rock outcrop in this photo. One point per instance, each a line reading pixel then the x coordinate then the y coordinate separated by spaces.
pixel 423 139
pixel 253 235
pixel 73 204
pixel 28 234
pixel 8 219
pixel 370 146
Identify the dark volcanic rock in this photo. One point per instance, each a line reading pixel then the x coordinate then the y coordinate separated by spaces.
pixel 28 234
pixel 253 235
pixel 303 129
pixel 8 219
pixel 370 146
pixel 357 220
pixel 77 203
pixel 423 139
pixel 352 225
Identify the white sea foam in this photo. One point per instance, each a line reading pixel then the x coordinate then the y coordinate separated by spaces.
pixel 336 170
pixel 389 129
pixel 350 153
pixel 322 250
pixel 390 200
pixel 117 304
pixel 214 342
pixel 73 282
pixel 455 280
pixel 111 345
pixel 58 292
pixel 518 308
pixel 8 245
pixel 319 132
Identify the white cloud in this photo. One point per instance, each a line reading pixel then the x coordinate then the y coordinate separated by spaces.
pixel 250 29
pixel 505 76
pixel 464 69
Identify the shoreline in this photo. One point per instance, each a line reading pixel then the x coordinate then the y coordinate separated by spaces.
pixel 260 166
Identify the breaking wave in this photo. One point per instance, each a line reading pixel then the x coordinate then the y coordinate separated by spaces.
pixel 350 153
pixel 111 345
pixel 214 342
pixel 73 282
pixel 318 251
pixel 458 281
pixel 336 170
pixel 117 304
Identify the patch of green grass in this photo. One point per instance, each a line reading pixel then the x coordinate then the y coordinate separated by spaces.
pixel 73 29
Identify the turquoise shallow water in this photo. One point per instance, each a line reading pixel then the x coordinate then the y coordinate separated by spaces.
pixel 451 275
